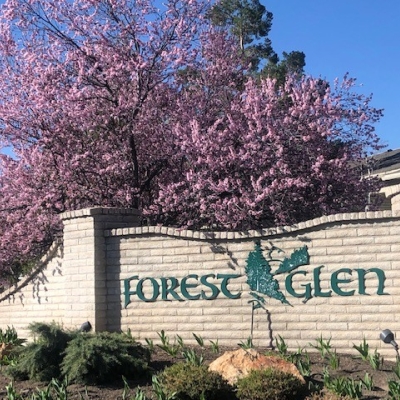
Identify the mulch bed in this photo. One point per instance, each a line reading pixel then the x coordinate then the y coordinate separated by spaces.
pixel 350 366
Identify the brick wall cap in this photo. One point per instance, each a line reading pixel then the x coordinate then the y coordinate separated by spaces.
pixel 313 224
pixel 87 212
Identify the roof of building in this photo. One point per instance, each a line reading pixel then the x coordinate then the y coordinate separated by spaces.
pixel 387 161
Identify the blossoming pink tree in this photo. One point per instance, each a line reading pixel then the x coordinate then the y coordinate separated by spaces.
pixel 84 86
pixel 271 157
pixel 118 103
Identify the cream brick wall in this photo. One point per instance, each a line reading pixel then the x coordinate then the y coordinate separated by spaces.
pixel 102 247
pixel 84 262
pixel 395 202
pixel 69 284
pixel 41 297
pixel 353 241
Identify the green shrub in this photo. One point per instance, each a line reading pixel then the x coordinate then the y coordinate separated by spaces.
pixel 270 384
pixel 41 359
pixel 326 396
pixel 194 382
pixel 104 357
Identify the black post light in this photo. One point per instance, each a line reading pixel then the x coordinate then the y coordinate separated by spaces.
pixel 387 336
pixel 86 327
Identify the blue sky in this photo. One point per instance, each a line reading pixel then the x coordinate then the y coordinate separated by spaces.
pixel 361 37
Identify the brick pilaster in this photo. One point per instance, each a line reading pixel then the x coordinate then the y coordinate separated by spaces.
pixel 84 262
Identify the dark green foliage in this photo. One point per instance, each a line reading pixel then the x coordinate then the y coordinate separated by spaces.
pixel 104 357
pixel 270 384
pixel 293 63
pixel 41 359
pixel 87 358
pixel 249 22
pixel 247 19
pixel 195 382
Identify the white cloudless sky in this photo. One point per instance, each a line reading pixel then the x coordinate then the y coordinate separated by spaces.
pixel 361 37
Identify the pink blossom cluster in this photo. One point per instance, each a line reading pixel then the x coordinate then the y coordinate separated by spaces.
pixel 269 156
pixel 121 103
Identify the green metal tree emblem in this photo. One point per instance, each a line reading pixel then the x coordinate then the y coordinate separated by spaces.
pixel 260 277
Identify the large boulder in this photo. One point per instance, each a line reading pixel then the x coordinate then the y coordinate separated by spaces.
pixel 233 365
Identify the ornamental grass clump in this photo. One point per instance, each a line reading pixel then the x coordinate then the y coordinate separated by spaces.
pixel 270 384
pixel 104 357
pixel 10 344
pixel 195 382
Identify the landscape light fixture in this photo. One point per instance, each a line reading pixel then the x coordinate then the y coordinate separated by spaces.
pixel 387 336
pixel 86 327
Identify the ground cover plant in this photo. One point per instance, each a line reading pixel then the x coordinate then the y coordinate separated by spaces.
pixel 41 360
pixel 104 357
pixel 191 381
pixel 270 384
pixel 170 369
